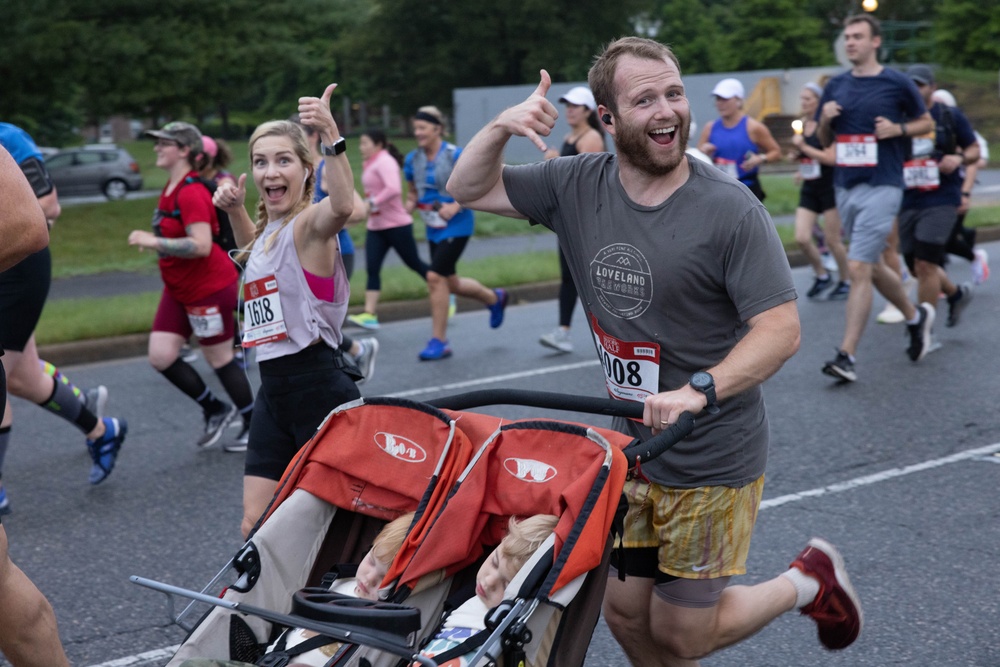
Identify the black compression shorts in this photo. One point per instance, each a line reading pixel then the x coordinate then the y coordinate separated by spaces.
pixel 23 290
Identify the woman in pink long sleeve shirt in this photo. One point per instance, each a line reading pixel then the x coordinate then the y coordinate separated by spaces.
pixel 389 225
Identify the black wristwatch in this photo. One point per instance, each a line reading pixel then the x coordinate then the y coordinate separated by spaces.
pixel 705 383
pixel 338 147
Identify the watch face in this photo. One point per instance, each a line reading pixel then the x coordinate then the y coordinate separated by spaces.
pixel 338 147
pixel 702 380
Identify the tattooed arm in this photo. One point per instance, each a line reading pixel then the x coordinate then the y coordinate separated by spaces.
pixel 198 242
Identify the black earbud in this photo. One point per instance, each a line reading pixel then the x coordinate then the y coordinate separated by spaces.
pixel 606 119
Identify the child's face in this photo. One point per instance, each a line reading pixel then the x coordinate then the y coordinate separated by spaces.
pixel 493 578
pixel 371 571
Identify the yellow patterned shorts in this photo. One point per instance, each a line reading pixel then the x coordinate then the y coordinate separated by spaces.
pixel 701 533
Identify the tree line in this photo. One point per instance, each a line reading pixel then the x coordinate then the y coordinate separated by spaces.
pixel 65 63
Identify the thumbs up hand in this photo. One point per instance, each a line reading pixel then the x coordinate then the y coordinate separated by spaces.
pixel 230 197
pixel 533 118
pixel 315 112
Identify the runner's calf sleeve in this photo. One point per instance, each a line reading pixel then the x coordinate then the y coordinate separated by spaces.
pixel 235 381
pixel 183 376
pixel 57 375
pixel 64 402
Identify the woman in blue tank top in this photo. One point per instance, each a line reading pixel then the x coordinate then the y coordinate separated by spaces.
pixel 737 144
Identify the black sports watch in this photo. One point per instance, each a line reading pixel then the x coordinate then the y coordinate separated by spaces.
pixel 338 147
pixel 705 383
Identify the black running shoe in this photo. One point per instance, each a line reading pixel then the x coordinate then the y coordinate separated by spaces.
pixel 215 424
pixel 920 333
pixel 820 285
pixel 840 292
pixel 841 367
pixel 957 303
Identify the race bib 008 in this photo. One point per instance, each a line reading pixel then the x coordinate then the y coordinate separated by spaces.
pixel 631 369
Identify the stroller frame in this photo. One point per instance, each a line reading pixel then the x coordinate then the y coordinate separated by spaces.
pixel 507 622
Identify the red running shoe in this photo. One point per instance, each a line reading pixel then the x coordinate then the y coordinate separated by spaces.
pixel 836 609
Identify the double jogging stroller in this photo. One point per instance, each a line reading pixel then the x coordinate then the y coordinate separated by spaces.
pixel 463 474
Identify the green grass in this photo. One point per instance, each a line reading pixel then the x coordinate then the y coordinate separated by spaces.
pixel 782 193
pixel 74 319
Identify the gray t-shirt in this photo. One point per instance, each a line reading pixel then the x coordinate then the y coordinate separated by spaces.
pixel 667 291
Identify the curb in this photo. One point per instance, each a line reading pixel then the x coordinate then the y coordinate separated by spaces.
pixel 135 345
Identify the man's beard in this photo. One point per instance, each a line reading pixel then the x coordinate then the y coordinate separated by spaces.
pixel 633 145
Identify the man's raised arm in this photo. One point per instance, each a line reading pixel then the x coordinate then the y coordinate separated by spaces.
pixel 477 179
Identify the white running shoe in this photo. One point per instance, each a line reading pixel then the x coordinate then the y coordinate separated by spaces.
pixel 558 340
pixel 366 360
pixel 829 263
pixel 980 266
pixel 96 400
pixel 890 315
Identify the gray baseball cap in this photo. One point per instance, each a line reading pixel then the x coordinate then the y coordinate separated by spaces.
pixel 185 134
pixel 921 74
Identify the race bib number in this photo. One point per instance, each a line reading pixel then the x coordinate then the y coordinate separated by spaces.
pixel 857 150
pixel 728 167
pixel 206 321
pixel 809 169
pixel 631 369
pixel 263 321
pixel 431 217
pixel 921 174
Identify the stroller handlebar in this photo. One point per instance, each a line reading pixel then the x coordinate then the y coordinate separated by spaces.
pixel 642 452
pixel 638 452
pixel 539 399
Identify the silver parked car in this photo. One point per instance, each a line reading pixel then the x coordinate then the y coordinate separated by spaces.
pixel 104 168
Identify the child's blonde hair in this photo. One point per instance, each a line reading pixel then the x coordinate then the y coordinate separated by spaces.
pixel 525 536
pixel 390 539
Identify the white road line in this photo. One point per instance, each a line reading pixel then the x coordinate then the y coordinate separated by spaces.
pixel 156 655
pixel 883 476
pixel 495 378
pixel 839 487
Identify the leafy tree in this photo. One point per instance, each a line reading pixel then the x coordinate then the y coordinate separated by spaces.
pixel 768 34
pixel 695 31
pixel 966 33
pixel 417 53
pixel 38 49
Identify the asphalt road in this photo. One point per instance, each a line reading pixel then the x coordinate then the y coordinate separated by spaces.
pixel 899 470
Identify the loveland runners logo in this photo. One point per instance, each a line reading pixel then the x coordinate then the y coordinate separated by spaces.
pixel 399 447
pixel 622 280
pixel 529 470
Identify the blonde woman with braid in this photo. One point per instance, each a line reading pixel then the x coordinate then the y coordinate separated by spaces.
pixel 295 290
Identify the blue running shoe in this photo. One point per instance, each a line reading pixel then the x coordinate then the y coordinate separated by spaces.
pixel 496 310
pixel 436 349
pixel 104 450
pixel 4 501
